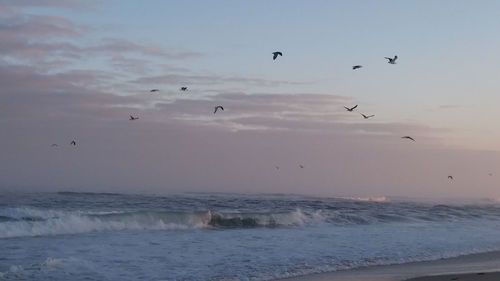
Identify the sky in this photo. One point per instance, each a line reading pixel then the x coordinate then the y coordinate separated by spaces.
pixel 75 70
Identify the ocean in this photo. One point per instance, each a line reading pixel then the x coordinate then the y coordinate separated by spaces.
pixel 205 236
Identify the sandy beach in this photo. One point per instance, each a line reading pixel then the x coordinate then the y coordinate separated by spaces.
pixel 484 266
pixel 480 276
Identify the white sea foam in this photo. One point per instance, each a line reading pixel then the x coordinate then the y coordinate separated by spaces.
pixel 15 268
pixel 35 222
pixel 57 222
pixel 250 238
pixel 368 199
pixel 51 262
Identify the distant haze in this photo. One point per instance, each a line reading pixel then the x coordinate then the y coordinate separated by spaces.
pixel 76 70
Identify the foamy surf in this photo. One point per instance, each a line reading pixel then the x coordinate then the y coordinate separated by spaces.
pixel 195 237
pixel 37 222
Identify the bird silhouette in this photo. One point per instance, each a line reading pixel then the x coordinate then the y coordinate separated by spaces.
pixel 276 54
pixel 408 137
pixel 73 143
pixel 132 118
pixel 154 90
pixel 392 60
pixel 301 166
pixel 184 89
pixel 367 116
pixel 450 177
pixel 217 108
pixel 350 109
pixel 356 67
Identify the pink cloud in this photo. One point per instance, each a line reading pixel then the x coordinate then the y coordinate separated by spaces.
pixel 71 4
pixel 194 79
pixel 181 145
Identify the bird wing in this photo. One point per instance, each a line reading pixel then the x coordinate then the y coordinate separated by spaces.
pixel 371 115
pixel 364 115
pixel 354 107
pixel 275 55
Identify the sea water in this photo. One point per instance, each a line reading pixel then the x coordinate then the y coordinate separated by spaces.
pixel 103 236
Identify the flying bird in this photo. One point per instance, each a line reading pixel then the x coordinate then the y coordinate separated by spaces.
pixel 367 116
pixel 184 89
pixel 73 142
pixel 276 54
pixel 54 145
pixel 450 177
pixel 356 67
pixel 392 60
pixel 154 90
pixel 301 166
pixel 408 137
pixel 277 167
pixel 490 174
pixel 132 118
pixel 350 109
pixel 217 108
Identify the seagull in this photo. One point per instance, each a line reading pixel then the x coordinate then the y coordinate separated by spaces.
pixel 350 109
pixel 184 89
pixel 54 145
pixel 276 54
pixel 154 90
pixel 408 137
pixel 132 118
pixel 301 166
pixel 73 142
pixel 392 60
pixel 356 67
pixel 217 108
pixel 450 177
pixel 367 116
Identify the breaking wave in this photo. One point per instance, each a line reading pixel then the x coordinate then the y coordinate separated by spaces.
pixel 17 222
pixel 226 214
pixel 368 199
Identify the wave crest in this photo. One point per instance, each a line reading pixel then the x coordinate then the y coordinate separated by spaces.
pixel 34 222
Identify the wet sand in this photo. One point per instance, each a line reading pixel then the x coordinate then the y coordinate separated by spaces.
pixel 481 276
pixel 464 268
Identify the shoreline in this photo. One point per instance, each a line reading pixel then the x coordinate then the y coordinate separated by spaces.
pixel 464 267
pixel 479 276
